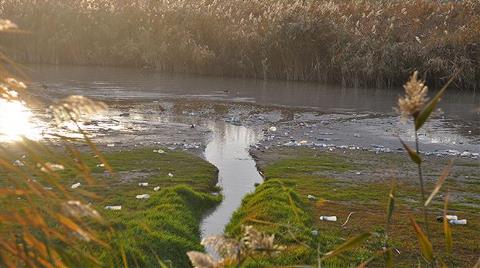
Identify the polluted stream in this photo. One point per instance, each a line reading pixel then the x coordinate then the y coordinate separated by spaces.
pixel 237 172
pixel 182 112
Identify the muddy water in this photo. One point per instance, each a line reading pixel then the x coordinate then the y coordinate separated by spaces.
pixel 228 151
pixel 124 83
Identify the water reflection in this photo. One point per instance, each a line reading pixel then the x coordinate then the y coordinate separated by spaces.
pixel 123 83
pixel 16 121
pixel 228 151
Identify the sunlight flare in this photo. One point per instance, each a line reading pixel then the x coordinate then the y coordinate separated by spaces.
pixel 16 121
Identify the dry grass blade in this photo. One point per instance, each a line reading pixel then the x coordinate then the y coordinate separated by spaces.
pixel 428 109
pixel 446 228
pixel 349 244
pixel 391 203
pixel 378 254
pixel 97 152
pixel 124 257
pixel 477 265
pixel 439 184
pixel 413 155
pixel 426 247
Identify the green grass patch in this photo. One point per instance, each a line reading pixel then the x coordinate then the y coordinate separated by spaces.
pixel 164 228
pixel 359 182
pixel 149 231
pixel 276 209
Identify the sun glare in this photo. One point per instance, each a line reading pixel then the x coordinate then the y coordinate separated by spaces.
pixel 16 121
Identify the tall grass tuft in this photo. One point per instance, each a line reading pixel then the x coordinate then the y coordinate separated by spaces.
pixel 354 43
pixel 43 223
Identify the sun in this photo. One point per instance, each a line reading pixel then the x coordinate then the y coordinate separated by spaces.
pixel 16 121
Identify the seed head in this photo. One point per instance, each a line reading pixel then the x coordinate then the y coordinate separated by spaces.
pixel 415 97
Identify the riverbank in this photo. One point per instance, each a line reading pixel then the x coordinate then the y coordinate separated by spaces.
pixel 350 43
pixel 164 225
pixel 146 213
pixel 354 186
pixel 158 119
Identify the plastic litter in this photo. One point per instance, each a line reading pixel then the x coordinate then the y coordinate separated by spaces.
pixel 51 167
pixel 272 129
pixel 143 184
pixel 160 151
pixel 449 218
pixel 170 175
pixel 311 197
pixel 458 222
pixel 143 196
pixel 314 232
pixel 113 207
pixel 328 218
pixel 18 163
pixel 75 185
pixel 157 188
pixel 111 145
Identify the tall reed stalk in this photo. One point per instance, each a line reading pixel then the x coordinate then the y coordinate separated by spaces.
pixel 422 186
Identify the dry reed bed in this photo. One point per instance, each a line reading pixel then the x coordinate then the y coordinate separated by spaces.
pixel 355 43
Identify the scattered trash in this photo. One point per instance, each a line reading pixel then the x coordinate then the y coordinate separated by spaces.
pixel 75 185
pixel 235 120
pixel 315 233
pixel 328 218
pixel 458 222
pixel 111 145
pixel 156 189
pixel 143 184
pixel 272 129
pixel 358 173
pixel 160 151
pixel 348 218
pixel 170 175
pixel 51 167
pixel 18 163
pixel 452 217
pixel 101 165
pixel 311 197
pixel 356 135
pixel 124 114
pixel 449 218
pixel 143 196
pixel 113 207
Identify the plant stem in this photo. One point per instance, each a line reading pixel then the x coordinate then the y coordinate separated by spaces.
pixel 422 188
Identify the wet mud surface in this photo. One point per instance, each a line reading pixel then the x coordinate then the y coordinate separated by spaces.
pixel 183 124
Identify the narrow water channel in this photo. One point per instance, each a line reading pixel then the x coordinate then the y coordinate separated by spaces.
pixel 228 151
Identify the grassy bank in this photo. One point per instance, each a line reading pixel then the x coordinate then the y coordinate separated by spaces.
pixel 276 208
pixel 359 183
pixel 354 43
pixel 146 232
